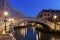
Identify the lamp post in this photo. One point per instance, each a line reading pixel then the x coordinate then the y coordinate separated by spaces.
pixel 55 17
pixel 5 14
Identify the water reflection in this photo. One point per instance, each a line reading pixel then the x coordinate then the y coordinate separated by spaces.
pixel 45 36
pixel 25 34
pixel 36 36
pixel 29 33
pixel 22 32
pixel 26 30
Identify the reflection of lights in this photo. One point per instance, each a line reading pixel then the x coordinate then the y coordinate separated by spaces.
pixel 26 30
pixel 39 34
pixel 23 32
pixel 36 36
pixel 33 29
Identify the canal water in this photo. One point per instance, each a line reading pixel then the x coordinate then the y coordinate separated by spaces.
pixel 30 33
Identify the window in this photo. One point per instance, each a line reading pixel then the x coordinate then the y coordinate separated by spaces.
pixel 44 14
pixel 41 15
pixel 48 14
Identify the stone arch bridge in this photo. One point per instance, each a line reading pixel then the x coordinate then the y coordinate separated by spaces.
pixel 32 21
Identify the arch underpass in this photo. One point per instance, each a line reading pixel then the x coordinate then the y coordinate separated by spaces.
pixel 30 23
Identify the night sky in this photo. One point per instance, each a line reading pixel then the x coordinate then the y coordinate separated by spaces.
pixel 31 8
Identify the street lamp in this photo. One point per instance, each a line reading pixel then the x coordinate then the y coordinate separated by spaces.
pixel 55 17
pixel 5 14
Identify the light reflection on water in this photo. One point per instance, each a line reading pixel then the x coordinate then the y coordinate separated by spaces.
pixel 30 33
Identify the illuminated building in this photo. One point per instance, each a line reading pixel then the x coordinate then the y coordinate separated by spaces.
pixel 12 14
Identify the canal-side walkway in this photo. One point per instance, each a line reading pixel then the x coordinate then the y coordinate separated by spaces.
pixel 7 37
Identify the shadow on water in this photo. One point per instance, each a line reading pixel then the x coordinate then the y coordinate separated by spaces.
pixel 29 34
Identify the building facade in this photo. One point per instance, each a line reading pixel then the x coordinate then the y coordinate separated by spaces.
pixel 48 15
pixel 13 14
pixel 5 6
pixel 45 14
pixel 1 8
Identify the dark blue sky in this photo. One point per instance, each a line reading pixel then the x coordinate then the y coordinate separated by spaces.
pixel 31 8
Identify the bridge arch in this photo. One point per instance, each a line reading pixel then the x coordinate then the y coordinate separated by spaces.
pixel 34 23
pixel 45 26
